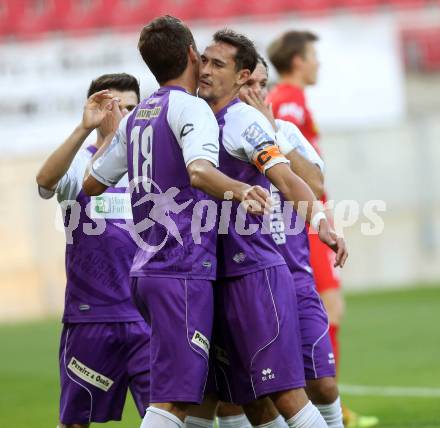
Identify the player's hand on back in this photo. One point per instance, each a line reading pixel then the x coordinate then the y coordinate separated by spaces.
pixel 255 100
pixel 256 200
pixel 96 108
pixel 329 237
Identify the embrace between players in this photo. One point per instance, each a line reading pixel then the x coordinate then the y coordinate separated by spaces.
pixel 233 317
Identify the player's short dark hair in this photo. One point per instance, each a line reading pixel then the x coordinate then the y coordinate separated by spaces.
pixel 262 61
pixel 119 81
pixel 163 45
pixel 246 56
pixel 290 44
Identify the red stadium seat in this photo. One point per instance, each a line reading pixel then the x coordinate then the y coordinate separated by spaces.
pixel 360 5
pixel 217 9
pixel 183 9
pixel 88 14
pixel 312 6
pixel 403 4
pixel 133 13
pixel 41 16
pixel 421 48
pixel 11 12
pixel 258 7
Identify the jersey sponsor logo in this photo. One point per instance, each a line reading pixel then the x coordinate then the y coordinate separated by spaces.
pixel 111 206
pixel 256 135
pixel 186 129
pixel 267 154
pixel 201 341
pixel 84 307
pixel 239 257
pixel 292 109
pixel 277 227
pixel 148 113
pixel 89 375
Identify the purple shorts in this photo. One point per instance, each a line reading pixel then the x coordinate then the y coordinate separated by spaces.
pixel 180 314
pixel 98 363
pixel 257 342
pixel 319 360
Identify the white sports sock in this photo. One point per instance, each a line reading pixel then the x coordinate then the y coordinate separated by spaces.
pixel 279 422
pixel 158 418
pixel 332 413
pixel 193 422
pixel 238 421
pixel 307 417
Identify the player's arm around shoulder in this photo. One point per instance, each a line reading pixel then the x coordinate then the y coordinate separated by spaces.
pixel 57 173
pixel 197 132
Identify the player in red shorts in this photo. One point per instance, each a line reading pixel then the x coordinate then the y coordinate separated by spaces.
pixel 294 56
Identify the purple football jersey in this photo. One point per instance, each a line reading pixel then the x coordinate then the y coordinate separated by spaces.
pixel 156 143
pixel 294 246
pixel 100 254
pixel 243 130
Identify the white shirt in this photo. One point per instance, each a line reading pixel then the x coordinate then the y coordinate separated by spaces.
pixel 192 123
pixel 247 134
pixel 298 142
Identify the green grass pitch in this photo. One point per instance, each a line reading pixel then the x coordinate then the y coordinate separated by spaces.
pixel 388 339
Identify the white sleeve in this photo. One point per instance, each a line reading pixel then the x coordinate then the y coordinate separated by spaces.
pixel 293 136
pixel 249 136
pixel 111 166
pixel 70 183
pixel 195 127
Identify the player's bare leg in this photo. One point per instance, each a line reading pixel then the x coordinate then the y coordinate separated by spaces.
pixel 202 416
pixel 231 415
pixel 293 405
pixel 325 396
pixel 261 412
pixel 165 415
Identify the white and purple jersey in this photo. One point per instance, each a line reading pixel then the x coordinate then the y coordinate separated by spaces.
pixel 295 248
pixel 155 143
pixel 100 253
pixel 247 150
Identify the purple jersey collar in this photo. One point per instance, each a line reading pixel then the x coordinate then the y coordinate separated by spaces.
pixel 92 149
pixel 222 112
pixel 168 88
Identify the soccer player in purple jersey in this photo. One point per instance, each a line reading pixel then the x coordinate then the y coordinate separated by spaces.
pixel 169 145
pixel 257 336
pixel 319 361
pixel 104 342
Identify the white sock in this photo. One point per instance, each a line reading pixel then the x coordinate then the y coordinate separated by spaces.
pixel 307 417
pixel 158 418
pixel 279 422
pixel 332 413
pixel 193 422
pixel 238 421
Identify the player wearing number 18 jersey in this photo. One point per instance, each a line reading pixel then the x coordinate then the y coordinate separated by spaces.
pixel 169 145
